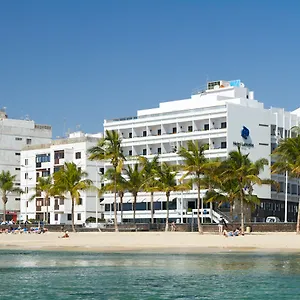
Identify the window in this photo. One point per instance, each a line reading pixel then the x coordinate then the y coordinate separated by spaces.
pixel 174 130
pixel 17 199
pixel 18 153
pixel 223 125
pixel 69 217
pixel 45 157
pixel 130 135
pixel 159 150
pixel 79 217
pixel 55 217
pixel 28 141
pixel 61 201
pixel 190 128
pixel 77 155
pixel 45 173
pixel 80 201
pixel 130 152
pixel 26 175
pixel 159 132
pixel 59 154
pixel 101 170
pixel 56 169
pixel 18 183
pixel 144 151
pixel 144 133
pixel 206 126
pixel 223 145
pixel 26 161
pixel 18 139
pixel 17 169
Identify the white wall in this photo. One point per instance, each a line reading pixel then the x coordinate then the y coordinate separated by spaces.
pixel 239 116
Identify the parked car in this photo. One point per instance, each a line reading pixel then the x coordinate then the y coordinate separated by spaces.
pixel 272 219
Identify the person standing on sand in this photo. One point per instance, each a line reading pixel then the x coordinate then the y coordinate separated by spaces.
pixel 222 224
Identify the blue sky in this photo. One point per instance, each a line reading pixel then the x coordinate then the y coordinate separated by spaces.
pixel 80 62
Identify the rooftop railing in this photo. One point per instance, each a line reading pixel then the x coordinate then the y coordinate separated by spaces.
pixel 219 107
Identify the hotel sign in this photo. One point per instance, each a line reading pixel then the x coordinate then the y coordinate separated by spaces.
pixel 249 145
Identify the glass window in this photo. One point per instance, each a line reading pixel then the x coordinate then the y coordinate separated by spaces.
pixel 79 217
pixel 144 133
pixel 78 155
pixel 28 141
pixel 69 217
pixel 174 130
pixel 144 151
pixel 206 126
pixel 190 128
pixel 223 145
pixel 56 217
pixel 223 124
pixel 159 132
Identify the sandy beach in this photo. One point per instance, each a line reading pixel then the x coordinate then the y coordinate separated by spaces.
pixel 171 242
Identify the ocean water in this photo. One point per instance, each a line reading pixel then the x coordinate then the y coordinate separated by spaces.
pixel 80 275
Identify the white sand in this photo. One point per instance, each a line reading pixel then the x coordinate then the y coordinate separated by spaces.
pixel 171 242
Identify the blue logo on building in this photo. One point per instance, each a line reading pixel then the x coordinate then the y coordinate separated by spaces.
pixel 245 132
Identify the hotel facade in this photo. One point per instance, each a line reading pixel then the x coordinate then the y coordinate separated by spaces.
pixel 44 160
pixel 223 115
pixel 15 134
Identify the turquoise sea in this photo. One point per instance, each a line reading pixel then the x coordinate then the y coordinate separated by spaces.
pixel 80 275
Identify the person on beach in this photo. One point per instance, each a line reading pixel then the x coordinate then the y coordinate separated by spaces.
pixel 66 235
pixel 173 226
pixel 221 225
pixel 228 233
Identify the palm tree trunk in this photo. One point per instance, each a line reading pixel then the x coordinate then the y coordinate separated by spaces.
pixel 44 214
pixel 151 207
pixel 242 212
pixel 73 225
pixel 200 227
pixel 134 207
pixel 167 217
pixel 115 203
pixel 121 208
pixel 298 219
pixel 4 209
pixel 47 210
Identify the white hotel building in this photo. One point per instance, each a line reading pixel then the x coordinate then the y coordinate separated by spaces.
pixel 14 135
pixel 215 116
pixel 44 160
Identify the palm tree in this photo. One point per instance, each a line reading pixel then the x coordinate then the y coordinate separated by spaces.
pixel 287 156
pixel 167 183
pixel 70 180
pixel 44 185
pixel 223 192
pixel 109 148
pixel 149 171
pixel 7 186
pixel 195 165
pixel 121 186
pixel 246 172
pixel 134 184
